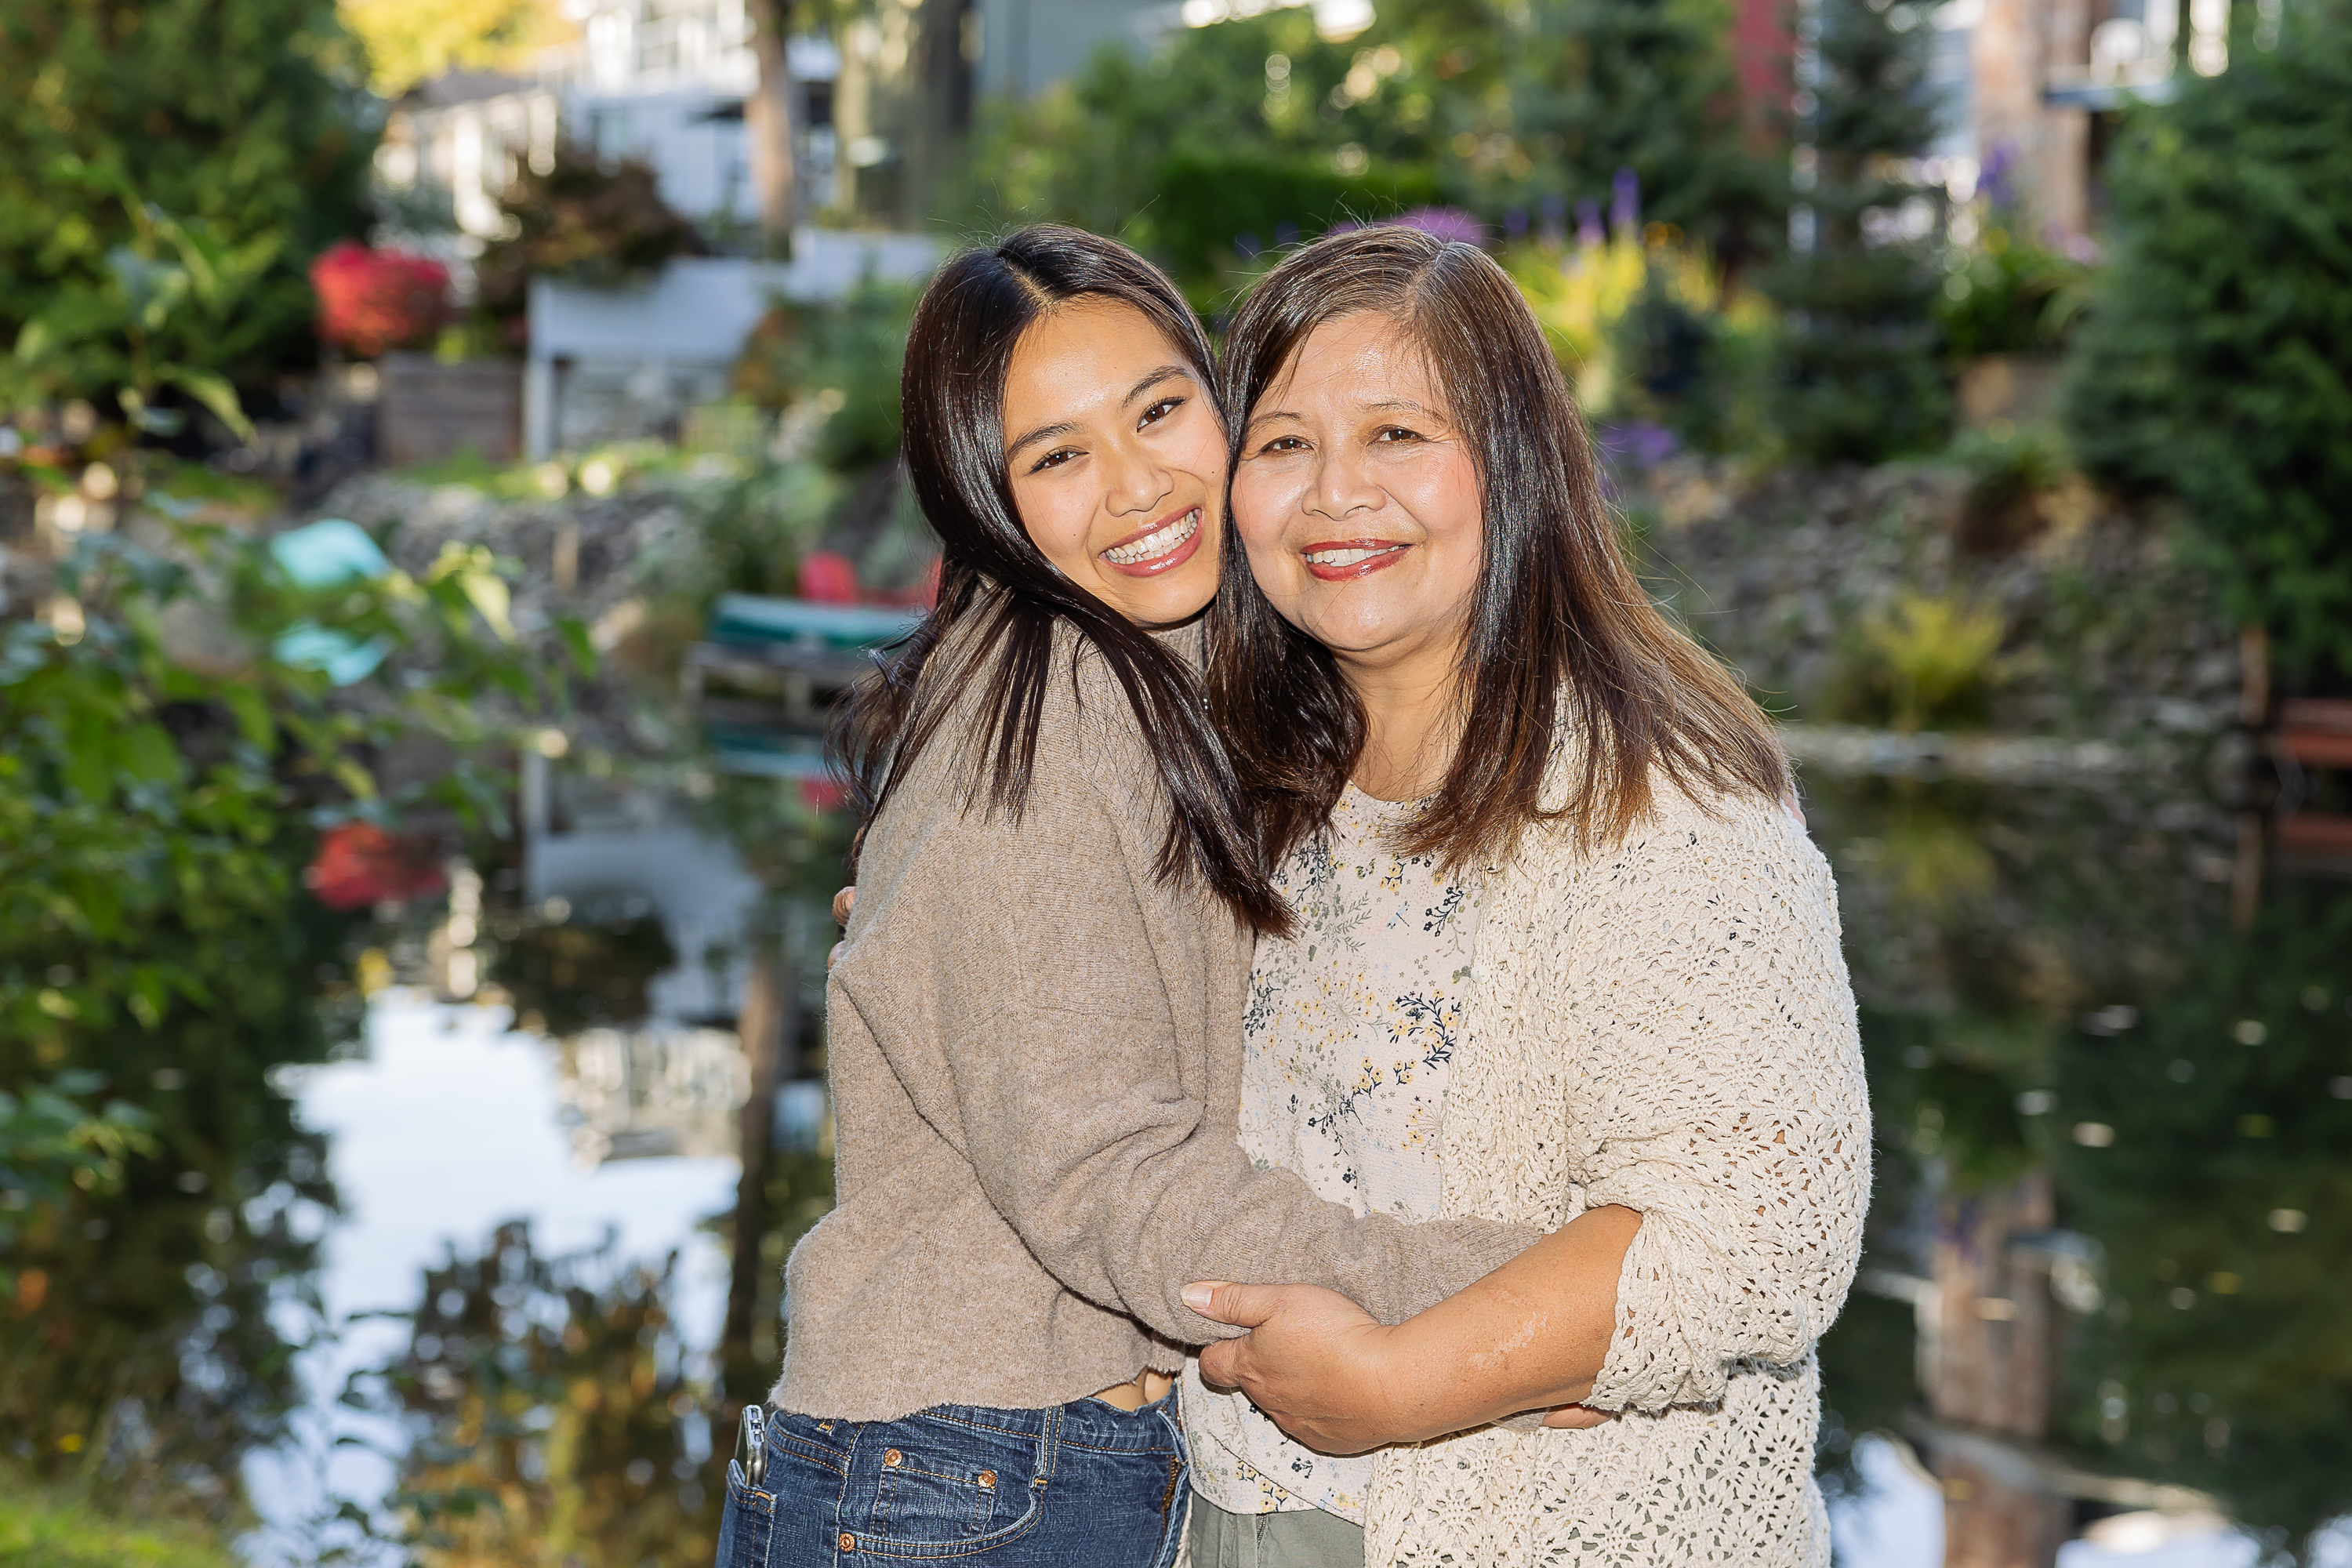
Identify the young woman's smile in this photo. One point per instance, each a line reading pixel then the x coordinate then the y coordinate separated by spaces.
pixel 1117 459
pixel 1157 547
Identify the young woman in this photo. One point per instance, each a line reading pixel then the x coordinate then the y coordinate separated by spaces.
pixel 1033 1028
pixel 1563 956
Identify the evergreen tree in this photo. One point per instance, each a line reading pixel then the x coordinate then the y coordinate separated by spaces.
pixel 1860 370
pixel 1601 86
pixel 2217 362
pixel 1258 129
pixel 237 129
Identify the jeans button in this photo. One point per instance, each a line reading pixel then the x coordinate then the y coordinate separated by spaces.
pixel 987 1479
pixel 848 1541
pixel 891 1456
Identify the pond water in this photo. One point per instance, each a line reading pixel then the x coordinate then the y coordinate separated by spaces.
pixel 2111 1057
pixel 448 1126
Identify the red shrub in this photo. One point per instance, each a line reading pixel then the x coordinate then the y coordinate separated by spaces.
pixel 371 300
pixel 359 864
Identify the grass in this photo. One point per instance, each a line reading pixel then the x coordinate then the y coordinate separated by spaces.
pixel 49 1528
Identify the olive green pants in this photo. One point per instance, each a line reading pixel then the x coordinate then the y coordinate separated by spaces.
pixel 1309 1539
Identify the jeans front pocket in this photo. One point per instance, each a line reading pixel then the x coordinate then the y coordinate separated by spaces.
pixel 951 1483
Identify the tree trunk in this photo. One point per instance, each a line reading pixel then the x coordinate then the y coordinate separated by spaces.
pixel 768 122
pixel 768 1023
pixel 1989 1373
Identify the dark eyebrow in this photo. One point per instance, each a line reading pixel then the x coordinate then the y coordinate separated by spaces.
pixel 1049 432
pixel 1153 378
pixel 1043 433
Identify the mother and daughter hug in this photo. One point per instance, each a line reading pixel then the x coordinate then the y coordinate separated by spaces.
pixel 1340 1054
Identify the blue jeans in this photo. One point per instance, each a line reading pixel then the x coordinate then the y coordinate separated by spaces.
pixel 1082 1485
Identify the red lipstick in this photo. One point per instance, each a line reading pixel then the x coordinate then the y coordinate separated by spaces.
pixel 1385 553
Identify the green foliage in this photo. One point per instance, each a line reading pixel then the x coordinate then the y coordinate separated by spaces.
pixel 1239 117
pixel 242 119
pixel 588 219
pixel 1861 377
pixel 2213 362
pixel 2010 296
pixel 172 302
pixel 555 1402
pixel 834 365
pixel 1599 86
pixel 2008 470
pixel 52 1528
pixel 1926 659
pixel 1211 205
pixel 51 1143
pixel 156 811
pixel 1255 132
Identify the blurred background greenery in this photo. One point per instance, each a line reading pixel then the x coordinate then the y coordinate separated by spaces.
pixel 380 664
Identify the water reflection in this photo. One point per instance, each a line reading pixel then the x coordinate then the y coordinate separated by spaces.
pixel 2112 1130
pixel 448 1129
pixel 151 1332
pixel 2107 1223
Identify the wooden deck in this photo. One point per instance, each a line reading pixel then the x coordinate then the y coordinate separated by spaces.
pixel 2312 734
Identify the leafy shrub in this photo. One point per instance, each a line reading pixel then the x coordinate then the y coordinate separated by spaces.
pixel 1258 127
pixel 1930 657
pixel 2011 296
pixel 157 809
pixel 241 119
pixel 371 300
pixel 2212 363
pixel 2007 469
pixel 835 367
pixel 1214 207
pixel 590 220
pixel 172 305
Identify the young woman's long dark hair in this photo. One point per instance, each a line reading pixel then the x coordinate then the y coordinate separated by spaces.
pixel 994 577
pixel 1557 611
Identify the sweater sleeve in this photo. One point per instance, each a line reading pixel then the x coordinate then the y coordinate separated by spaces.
pixel 1025 1007
pixel 1719 1093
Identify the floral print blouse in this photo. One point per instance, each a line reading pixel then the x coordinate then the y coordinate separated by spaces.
pixel 1350 1026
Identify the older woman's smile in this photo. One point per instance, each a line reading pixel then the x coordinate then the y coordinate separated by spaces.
pixel 1339 561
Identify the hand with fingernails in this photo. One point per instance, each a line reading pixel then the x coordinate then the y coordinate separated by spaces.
pixel 1530 1336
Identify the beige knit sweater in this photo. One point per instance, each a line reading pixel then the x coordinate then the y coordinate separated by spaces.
pixel 1035 1047
pixel 1665 1025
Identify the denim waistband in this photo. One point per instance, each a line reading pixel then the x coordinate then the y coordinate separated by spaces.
pixel 1081 1423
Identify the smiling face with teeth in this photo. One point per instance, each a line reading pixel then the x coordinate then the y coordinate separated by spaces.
pixel 1117 459
pixel 1359 504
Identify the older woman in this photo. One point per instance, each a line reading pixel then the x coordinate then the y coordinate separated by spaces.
pixel 1564 957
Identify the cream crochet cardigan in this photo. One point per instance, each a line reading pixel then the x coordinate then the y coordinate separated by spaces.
pixel 1663 1024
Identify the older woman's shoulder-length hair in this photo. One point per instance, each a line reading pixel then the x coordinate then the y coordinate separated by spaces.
pixel 1562 639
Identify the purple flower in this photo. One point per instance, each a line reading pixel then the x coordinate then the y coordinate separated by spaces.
pixel 1555 219
pixel 1625 203
pixel 1639 442
pixel 1446 222
pixel 1587 224
pixel 1994 179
